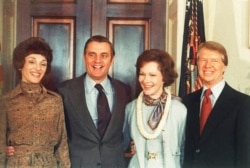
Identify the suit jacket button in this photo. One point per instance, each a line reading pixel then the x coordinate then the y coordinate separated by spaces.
pixel 197 150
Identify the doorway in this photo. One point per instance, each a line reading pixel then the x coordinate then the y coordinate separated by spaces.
pixel 132 26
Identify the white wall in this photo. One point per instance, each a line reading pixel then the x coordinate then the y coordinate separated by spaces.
pixel 227 21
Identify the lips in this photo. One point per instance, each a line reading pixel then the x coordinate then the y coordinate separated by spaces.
pixel 97 66
pixel 35 77
pixel 207 73
pixel 36 74
pixel 147 87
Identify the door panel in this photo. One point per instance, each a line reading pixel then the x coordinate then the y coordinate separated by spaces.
pixel 132 26
pixel 130 38
pixel 59 33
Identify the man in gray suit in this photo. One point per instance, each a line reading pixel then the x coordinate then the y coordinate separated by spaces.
pixel 87 147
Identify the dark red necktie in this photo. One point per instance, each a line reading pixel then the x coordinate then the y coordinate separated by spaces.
pixel 205 109
pixel 104 114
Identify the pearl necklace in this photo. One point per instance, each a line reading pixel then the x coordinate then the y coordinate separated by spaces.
pixel 161 124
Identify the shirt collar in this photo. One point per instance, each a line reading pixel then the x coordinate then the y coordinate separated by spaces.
pixel 18 91
pixel 90 84
pixel 216 90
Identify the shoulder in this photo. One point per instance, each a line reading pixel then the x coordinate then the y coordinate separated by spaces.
pixel 53 94
pixel 5 98
pixel 121 88
pixel 119 84
pixel 192 97
pixel 230 93
pixel 130 108
pixel 233 91
pixel 7 95
pixel 176 101
pixel 11 94
pixel 178 109
pixel 71 83
pixel 131 104
pixel 177 104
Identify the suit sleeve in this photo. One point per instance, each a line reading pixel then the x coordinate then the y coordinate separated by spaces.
pixel 3 132
pixel 243 134
pixel 126 132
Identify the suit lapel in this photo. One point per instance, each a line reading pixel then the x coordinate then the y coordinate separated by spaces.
pixel 77 98
pixel 113 119
pixel 219 112
pixel 195 115
pixel 117 116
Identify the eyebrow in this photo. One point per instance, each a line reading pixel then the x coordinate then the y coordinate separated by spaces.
pixel 31 57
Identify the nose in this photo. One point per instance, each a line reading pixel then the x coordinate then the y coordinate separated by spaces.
pixel 208 63
pixel 38 67
pixel 146 78
pixel 97 58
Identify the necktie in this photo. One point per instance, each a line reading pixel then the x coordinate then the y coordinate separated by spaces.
pixel 104 114
pixel 205 109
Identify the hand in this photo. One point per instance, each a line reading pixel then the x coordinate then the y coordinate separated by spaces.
pixel 132 147
pixel 10 151
pixel 132 150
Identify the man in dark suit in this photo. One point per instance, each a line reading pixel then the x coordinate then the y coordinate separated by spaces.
pixel 87 147
pixel 224 140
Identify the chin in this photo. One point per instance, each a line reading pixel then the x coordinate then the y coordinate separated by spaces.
pixel 147 93
pixel 35 82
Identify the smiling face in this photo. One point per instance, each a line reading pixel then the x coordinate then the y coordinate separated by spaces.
pixel 34 68
pixel 151 79
pixel 98 59
pixel 210 66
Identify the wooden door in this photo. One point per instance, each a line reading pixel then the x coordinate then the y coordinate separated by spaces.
pixel 132 25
